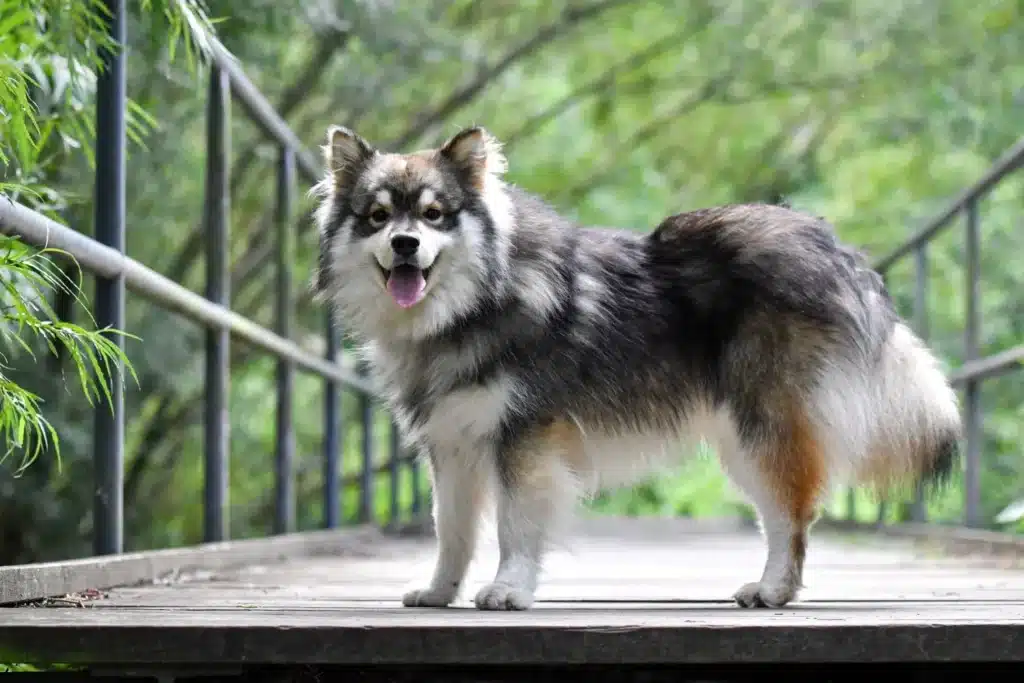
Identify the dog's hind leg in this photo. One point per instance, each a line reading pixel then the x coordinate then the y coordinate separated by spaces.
pixel 536 495
pixel 460 485
pixel 783 472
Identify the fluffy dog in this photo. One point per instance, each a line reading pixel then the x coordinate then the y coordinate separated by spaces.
pixel 531 360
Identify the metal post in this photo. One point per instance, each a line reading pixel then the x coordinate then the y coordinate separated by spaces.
pixel 918 509
pixel 108 437
pixel 332 426
pixel 394 473
pixel 366 479
pixel 284 510
pixel 883 511
pixel 218 339
pixel 972 422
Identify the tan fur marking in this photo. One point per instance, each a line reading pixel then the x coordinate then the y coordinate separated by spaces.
pixel 882 469
pixel 891 471
pixel 560 439
pixel 565 438
pixel 797 470
pixel 798 547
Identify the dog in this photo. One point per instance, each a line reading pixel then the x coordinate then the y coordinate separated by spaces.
pixel 532 361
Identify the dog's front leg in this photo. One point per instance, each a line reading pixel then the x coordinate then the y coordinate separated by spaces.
pixel 535 497
pixel 459 489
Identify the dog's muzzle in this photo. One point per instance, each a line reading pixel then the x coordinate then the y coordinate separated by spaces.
pixel 405 281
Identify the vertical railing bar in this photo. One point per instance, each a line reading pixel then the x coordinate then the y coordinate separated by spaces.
pixel 918 509
pixel 883 509
pixel 366 480
pixel 284 470
pixel 394 472
pixel 972 422
pixel 217 424
pixel 108 437
pixel 332 428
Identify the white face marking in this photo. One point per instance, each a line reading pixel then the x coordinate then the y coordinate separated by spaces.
pixel 427 197
pixel 383 198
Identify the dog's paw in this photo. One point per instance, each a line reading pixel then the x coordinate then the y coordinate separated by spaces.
pixel 757 594
pixel 428 597
pixel 502 596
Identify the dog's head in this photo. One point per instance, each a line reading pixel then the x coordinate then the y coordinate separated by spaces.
pixel 408 242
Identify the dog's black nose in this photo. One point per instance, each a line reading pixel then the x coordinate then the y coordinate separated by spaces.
pixel 405 245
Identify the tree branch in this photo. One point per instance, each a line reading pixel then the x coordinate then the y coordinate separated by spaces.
pixel 696 98
pixel 466 94
pixel 605 81
pixel 713 91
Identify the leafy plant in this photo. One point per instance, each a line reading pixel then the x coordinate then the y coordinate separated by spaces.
pixel 27 278
pixel 51 52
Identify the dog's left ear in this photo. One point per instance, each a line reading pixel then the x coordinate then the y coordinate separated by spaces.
pixel 346 155
pixel 476 153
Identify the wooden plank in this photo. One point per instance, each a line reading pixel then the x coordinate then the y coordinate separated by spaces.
pixel 553 635
pixel 622 591
pixel 19 583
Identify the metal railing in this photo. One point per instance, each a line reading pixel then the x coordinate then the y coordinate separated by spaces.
pixel 974 369
pixel 115 273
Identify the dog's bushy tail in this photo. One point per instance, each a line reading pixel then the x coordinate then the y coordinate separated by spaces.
pixel 918 424
pixel 892 422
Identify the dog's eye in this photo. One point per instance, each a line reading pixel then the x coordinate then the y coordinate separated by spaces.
pixel 432 214
pixel 379 216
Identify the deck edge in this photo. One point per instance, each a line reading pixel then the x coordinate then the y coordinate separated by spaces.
pixel 643 643
pixel 29 582
pixel 951 539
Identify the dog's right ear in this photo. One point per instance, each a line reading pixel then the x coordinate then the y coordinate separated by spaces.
pixel 346 155
pixel 476 153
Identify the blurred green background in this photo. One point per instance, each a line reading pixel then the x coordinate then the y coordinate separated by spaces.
pixel 872 113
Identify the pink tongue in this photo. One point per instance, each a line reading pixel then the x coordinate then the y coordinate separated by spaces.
pixel 406 286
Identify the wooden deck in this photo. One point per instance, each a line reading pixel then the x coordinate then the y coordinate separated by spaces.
pixel 624 591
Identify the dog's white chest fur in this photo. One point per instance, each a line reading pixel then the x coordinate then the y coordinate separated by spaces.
pixel 467 416
pixel 454 420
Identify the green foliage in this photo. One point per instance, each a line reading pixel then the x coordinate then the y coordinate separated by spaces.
pixel 27 279
pixel 50 54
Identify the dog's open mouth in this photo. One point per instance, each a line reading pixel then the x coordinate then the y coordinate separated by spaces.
pixel 406 283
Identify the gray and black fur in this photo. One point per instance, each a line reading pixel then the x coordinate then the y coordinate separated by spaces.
pixel 539 360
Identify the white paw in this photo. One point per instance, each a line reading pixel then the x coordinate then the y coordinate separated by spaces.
pixel 428 597
pixel 502 596
pixel 757 594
